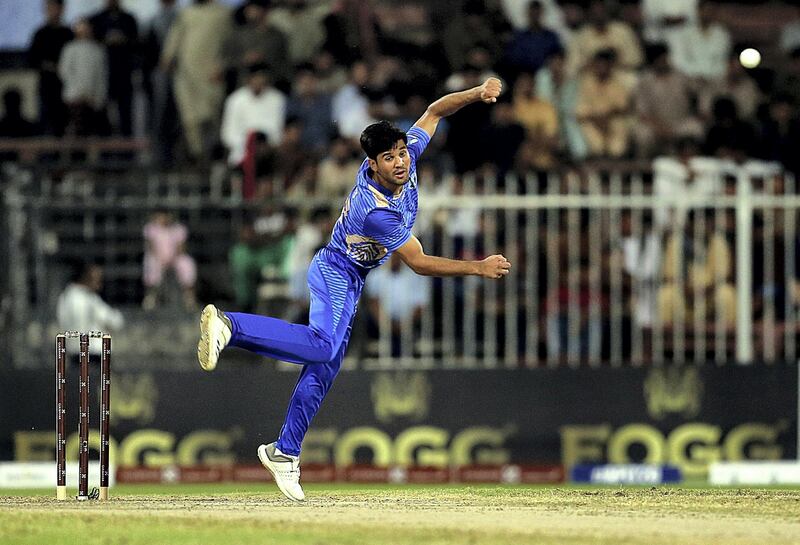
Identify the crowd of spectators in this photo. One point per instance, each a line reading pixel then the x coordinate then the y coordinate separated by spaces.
pixel 585 79
pixel 280 90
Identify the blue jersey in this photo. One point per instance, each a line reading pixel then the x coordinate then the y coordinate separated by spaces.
pixel 374 222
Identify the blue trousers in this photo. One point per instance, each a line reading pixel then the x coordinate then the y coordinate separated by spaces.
pixel 335 285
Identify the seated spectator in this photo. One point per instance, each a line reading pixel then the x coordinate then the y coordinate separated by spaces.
pixel 701 51
pixel 697 275
pixel 663 19
pixel 603 108
pixel 540 120
pixel 337 171
pixel 396 297
pixel 738 85
pixel 790 33
pixel 779 133
pixel 83 70
pixel 663 105
pixel 729 136
pixel 256 41
pixel 350 106
pixel 13 123
pixel 554 85
pixel 165 249
pixel 529 49
pixel 294 169
pixel 256 106
pixel 263 249
pixel 81 308
pixel 351 31
pixel 312 107
pixel 602 32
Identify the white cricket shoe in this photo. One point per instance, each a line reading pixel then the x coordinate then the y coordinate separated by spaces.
pixel 215 333
pixel 284 468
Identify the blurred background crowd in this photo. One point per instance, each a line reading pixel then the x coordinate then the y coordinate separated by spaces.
pixel 272 95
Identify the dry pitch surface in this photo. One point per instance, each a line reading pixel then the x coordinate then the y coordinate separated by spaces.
pixel 408 515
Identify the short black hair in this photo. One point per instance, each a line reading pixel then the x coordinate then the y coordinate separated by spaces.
pixel 379 137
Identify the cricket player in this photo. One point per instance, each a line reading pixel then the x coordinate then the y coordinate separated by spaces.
pixel 376 221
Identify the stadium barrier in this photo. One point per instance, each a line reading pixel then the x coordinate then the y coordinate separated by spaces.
pixel 609 267
pixel 686 416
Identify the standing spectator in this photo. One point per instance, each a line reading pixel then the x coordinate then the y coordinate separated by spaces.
pixel 165 249
pixel 663 105
pixel 117 30
pixel 790 33
pixel 330 76
pixel 599 33
pixel 662 19
pixel 738 85
pixel 396 296
pixel 556 86
pixel 81 308
pixel 163 118
pixel 44 54
pixel 553 16
pixel 464 33
pixel 350 106
pixel 13 124
pixel 194 49
pixel 83 70
pixel 337 171
pixel 313 108
pixel 263 248
pixel 641 262
pixel 350 31
pixel 256 106
pixel 303 26
pixel 529 49
pixel 702 50
pixel 603 108
pixel 257 41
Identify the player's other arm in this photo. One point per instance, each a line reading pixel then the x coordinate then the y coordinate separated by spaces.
pixel 450 104
pixel 494 266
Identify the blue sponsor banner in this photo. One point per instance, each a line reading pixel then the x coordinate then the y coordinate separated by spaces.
pixel 625 474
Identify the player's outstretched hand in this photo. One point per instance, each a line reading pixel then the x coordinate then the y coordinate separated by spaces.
pixel 490 90
pixel 494 266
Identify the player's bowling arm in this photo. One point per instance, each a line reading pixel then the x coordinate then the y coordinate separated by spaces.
pixel 450 104
pixel 412 254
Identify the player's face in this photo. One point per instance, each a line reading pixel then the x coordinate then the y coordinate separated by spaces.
pixel 392 166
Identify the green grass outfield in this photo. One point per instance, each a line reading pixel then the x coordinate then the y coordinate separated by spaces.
pixel 398 515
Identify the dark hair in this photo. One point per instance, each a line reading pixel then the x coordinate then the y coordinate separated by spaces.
pixel 379 137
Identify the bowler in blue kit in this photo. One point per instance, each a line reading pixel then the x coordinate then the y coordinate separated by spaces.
pixel 376 221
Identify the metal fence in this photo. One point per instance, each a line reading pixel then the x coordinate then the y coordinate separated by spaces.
pixel 610 267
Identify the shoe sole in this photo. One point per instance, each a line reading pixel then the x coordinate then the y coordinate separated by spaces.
pixel 207 339
pixel 267 463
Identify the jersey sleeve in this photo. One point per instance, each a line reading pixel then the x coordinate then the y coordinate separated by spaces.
pixel 387 227
pixel 418 140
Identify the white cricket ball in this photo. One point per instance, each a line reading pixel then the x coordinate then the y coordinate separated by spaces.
pixel 750 58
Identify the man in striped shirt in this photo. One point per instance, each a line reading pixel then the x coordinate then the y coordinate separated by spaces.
pixel 375 222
